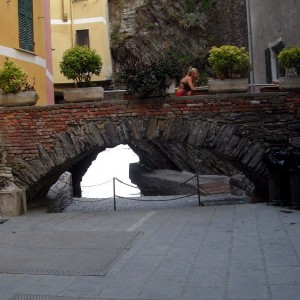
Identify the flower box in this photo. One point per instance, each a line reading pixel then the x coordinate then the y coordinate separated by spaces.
pixel 18 99
pixel 87 94
pixel 289 83
pixel 216 86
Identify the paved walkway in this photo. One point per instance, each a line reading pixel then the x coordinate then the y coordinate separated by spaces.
pixel 228 252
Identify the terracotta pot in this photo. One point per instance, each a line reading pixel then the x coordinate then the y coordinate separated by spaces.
pixel 18 99
pixel 86 94
pixel 228 85
pixel 289 83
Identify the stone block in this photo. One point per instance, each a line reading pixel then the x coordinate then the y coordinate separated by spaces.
pixel 13 203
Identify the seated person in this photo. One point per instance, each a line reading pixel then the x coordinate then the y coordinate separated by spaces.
pixel 187 83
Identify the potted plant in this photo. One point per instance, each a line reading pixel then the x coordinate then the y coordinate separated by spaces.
pixel 289 58
pixel 14 87
pixel 80 63
pixel 144 79
pixel 230 66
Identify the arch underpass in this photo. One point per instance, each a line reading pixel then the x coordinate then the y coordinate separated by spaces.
pixel 218 134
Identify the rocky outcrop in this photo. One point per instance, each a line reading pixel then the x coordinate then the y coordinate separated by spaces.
pixel 241 185
pixel 181 28
pixel 60 195
pixel 162 182
pixel 171 182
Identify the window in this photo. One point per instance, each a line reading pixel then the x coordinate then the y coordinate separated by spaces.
pixel 273 71
pixel 26 25
pixel 82 37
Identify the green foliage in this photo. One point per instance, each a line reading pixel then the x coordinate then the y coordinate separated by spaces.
pixel 116 37
pixel 185 16
pixel 196 58
pixel 207 5
pixel 229 62
pixel 174 16
pixel 13 79
pixel 190 20
pixel 190 6
pixel 80 63
pixel 151 26
pixel 289 58
pixel 148 79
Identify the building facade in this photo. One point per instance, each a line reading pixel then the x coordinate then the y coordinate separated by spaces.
pixel 272 25
pixel 26 40
pixel 80 22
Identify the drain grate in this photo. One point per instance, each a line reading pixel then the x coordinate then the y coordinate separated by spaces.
pixel 49 253
pixel 45 297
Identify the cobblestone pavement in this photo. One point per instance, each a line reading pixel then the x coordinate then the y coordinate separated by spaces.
pixel 217 252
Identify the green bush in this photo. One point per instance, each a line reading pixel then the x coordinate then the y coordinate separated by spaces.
pixel 80 63
pixel 229 62
pixel 289 58
pixel 148 79
pixel 13 79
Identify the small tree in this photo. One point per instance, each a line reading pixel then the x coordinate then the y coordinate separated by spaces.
pixel 229 62
pixel 80 63
pixel 13 79
pixel 289 58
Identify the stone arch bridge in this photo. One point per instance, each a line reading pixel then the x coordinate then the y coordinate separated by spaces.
pixel 217 134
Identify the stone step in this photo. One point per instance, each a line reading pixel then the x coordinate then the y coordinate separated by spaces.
pixel 215 187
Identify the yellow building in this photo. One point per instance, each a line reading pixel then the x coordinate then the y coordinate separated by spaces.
pixel 80 22
pixel 25 39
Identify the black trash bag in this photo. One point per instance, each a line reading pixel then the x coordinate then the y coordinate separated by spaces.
pixel 276 160
pixel 293 161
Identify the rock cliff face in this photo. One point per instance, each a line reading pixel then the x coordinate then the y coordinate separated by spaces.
pixel 183 28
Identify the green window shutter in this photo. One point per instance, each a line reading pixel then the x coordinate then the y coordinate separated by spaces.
pixel 26 25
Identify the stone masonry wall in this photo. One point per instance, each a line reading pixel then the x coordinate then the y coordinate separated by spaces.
pixel 40 143
pixel 227 24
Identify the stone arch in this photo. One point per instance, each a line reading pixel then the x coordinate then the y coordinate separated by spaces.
pixel 177 142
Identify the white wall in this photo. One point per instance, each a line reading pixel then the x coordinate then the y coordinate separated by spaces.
pixel 272 20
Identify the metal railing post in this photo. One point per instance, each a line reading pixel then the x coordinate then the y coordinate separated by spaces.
pixel 198 189
pixel 114 187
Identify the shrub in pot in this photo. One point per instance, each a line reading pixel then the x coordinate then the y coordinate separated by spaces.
pixel 80 63
pixel 147 79
pixel 289 58
pixel 229 63
pixel 14 87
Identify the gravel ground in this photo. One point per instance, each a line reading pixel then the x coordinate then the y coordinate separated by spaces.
pixel 151 202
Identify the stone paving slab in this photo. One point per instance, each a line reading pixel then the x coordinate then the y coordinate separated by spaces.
pixel 226 252
pixel 153 202
pixel 62 252
pixel 45 297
